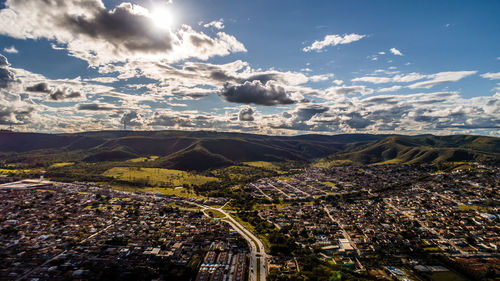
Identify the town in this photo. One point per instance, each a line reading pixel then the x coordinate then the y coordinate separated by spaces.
pixel 378 222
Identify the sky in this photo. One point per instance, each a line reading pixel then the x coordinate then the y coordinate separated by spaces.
pixel 269 67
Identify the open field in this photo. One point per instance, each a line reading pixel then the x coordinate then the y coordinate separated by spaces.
pixel 330 184
pixel 263 164
pixel 473 207
pixel 61 164
pixel 21 171
pixel 180 192
pixel 215 214
pixel 157 176
pixel 143 159
pixel 323 163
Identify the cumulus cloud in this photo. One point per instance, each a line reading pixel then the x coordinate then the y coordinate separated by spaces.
pixel 246 114
pixel 333 40
pixel 54 94
pixel 7 77
pixel 132 118
pixel 255 92
pixel 11 50
pixel 64 94
pixel 40 88
pixel 91 32
pixel 396 52
pixel 14 111
pixel 429 112
pixel 218 24
pixel 298 119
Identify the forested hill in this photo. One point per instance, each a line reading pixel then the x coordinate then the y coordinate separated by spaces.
pixel 200 150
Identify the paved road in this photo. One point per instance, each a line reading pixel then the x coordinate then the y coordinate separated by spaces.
pixel 258 254
pixel 296 189
pixel 265 195
pixel 345 234
pixel 258 258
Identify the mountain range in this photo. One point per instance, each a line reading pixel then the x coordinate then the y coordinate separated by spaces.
pixel 201 150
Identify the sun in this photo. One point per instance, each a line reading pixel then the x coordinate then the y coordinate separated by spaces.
pixel 162 17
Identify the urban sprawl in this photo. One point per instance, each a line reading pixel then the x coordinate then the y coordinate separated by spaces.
pixel 385 222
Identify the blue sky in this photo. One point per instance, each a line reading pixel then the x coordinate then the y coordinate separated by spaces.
pixel 273 67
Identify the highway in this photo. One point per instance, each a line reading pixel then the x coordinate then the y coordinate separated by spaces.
pixel 258 257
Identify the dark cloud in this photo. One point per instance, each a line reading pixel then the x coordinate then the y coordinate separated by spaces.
pixel 40 87
pixel 121 27
pixel 246 114
pixel 356 121
pixel 56 95
pixel 63 94
pixel 3 61
pixel 131 118
pixel 298 119
pixel 95 107
pixel 89 31
pixel 6 75
pixel 307 112
pixel 255 93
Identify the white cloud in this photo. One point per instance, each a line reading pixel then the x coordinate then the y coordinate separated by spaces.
pixel 395 79
pixel 491 76
pixel 390 89
pixel 442 77
pixel 434 79
pixel 321 77
pixel 396 52
pixel 11 50
pixel 348 90
pixel 218 24
pixel 91 32
pixel 333 40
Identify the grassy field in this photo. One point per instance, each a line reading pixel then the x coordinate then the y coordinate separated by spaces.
pixel 389 162
pixel 329 183
pixel 215 214
pixel 323 163
pixel 472 207
pixel 61 164
pixel 180 192
pixel 143 159
pixel 21 171
pixel 157 176
pixel 263 164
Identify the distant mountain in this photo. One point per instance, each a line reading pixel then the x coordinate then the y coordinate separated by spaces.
pixel 201 150
pixel 428 149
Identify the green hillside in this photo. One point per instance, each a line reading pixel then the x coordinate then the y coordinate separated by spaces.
pixel 205 150
pixel 430 149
